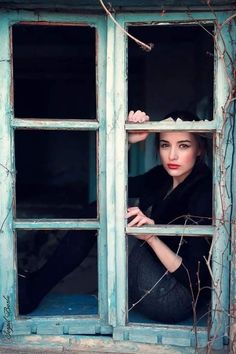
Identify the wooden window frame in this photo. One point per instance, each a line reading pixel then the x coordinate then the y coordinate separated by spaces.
pixel 219 231
pixel 112 112
pixel 9 226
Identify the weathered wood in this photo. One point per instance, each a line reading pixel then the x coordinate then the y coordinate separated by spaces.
pixel 112 174
pixel 93 4
pixel 54 124
pixel 82 344
pixel 53 224
pixel 102 173
pixel 110 165
pixel 222 188
pixel 172 230
pixel 7 175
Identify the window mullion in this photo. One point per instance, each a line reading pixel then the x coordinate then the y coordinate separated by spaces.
pixel 7 175
pixel 223 188
pixel 110 173
pixel 102 175
pixel 121 173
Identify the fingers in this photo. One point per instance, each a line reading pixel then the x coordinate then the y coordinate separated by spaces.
pixel 131 113
pixel 139 218
pixel 138 117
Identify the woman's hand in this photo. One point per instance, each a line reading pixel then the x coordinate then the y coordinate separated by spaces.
pixel 139 219
pixel 137 117
pixel 168 258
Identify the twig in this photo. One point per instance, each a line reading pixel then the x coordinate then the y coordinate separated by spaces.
pixel 146 47
pixel 148 291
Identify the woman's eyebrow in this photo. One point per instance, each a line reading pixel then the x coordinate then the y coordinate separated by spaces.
pixel 184 141
pixel 179 142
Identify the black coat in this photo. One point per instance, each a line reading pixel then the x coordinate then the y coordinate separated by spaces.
pixel 189 203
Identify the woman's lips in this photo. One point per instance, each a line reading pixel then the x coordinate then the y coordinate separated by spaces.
pixel 173 166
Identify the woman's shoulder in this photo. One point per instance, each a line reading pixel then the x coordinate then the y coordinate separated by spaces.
pixel 202 177
pixel 200 194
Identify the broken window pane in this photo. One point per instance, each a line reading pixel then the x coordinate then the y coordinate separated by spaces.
pixel 155 296
pixel 177 74
pixel 55 174
pixel 57 272
pixel 54 71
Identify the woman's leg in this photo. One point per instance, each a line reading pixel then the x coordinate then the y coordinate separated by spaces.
pixel 169 301
pixel 69 254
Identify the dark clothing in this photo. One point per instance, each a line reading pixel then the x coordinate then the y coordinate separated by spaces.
pixel 189 203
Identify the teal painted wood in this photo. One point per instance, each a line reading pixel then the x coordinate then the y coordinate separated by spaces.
pixel 165 335
pixel 45 17
pixel 86 345
pixel 54 224
pixel 53 124
pixel 223 188
pixel 233 231
pixel 78 324
pixel 93 4
pixel 114 204
pixel 172 230
pixel 7 261
pixel 92 169
pixel 110 165
pixel 168 18
pixel 203 126
pixel 102 171
pixel 58 325
pixel 121 173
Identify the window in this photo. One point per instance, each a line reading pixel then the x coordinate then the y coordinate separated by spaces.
pixel 146 26
pixel 68 82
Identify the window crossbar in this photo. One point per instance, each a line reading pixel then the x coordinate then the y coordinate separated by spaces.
pixel 59 124
pixel 173 230
pixel 55 224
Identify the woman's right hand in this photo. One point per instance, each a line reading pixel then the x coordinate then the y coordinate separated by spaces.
pixel 137 117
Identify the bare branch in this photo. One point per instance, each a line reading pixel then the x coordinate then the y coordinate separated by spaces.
pixel 144 46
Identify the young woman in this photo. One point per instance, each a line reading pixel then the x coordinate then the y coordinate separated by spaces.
pixel 177 192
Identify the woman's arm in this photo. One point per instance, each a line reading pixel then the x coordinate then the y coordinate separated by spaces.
pixel 168 258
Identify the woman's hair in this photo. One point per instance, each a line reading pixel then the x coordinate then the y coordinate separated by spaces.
pixel 187 117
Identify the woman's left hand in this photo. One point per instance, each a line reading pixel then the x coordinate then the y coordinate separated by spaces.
pixel 139 219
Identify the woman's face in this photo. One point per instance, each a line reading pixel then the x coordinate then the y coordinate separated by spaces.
pixel 178 154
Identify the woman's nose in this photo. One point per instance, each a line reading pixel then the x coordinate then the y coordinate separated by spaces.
pixel 173 154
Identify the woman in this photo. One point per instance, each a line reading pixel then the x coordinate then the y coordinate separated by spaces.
pixel 168 272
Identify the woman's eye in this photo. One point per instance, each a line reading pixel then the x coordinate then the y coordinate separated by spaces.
pixel 164 145
pixel 184 146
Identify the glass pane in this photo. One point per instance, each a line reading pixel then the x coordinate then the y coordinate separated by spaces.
pixel 160 297
pixel 54 71
pixel 176 75
pixel 57 272
pixel 56 174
